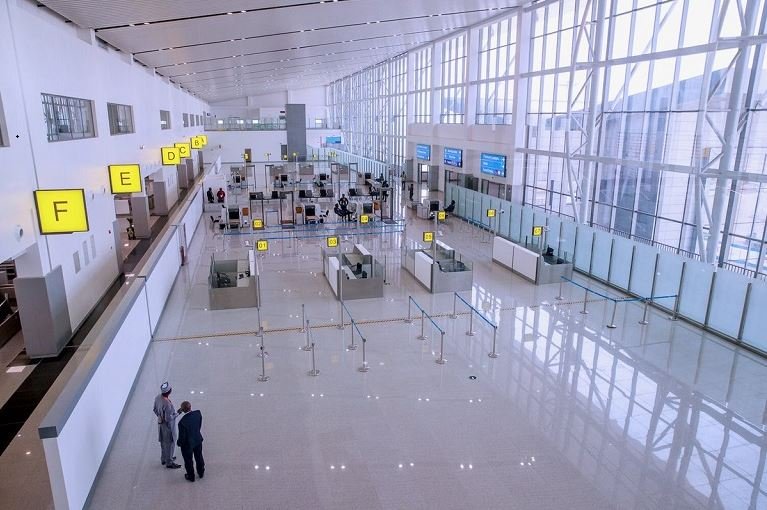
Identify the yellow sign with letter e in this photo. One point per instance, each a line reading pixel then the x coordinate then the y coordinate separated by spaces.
pixel 125 179
pixel 171 155
pixel 61 211
pixel 262 245
pixel 428 237
pixel 332 241
pixel 185 149
pixel 258 224
pixel 196 142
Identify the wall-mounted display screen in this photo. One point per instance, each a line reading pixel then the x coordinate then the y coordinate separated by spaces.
pixel 333 139
pixel 493 164
pixel 423 152
pixel 453 157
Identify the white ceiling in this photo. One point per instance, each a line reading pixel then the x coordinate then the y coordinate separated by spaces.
pixel 224 49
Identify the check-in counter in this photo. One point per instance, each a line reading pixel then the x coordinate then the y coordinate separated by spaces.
pixel 530 264
pixel 439 268
pixel 233 283
pixel 353 275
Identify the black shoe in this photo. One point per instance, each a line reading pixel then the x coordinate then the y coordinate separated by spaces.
pixel 173 465
pixel 163 462
pixel 201 474
pixel 189 478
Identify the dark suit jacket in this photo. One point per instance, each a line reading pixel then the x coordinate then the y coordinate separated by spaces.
pixel 189 426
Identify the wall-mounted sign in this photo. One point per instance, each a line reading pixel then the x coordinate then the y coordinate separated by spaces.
pixel 258 223
pixel 493 164
pixel 125 179
pixel 61 211
pixel 491 213
pixel 364 218
pixel 441 215
pixel 332 241
pixel 428 237
pixel 204 139
pixel 537 231
pixel 453 157
pixel 262 245
pixel 185 149
pixel 196 142
pixel 171 155
pixel 423 152
pixel 246 157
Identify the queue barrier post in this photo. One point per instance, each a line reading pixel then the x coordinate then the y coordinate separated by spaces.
pixel 352 346
pixel 303 317
pixel 422 336
pixel 364 367
pixel 307 347
pixel 471 331
pixel 263 354
pixel 585 301
pixel 409 319
pixel 493 354
pixel 441 360
pixel 612 324
pixel 313 372
pixel 644 320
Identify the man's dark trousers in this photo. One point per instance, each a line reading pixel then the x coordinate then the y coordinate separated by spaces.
pixel 195 453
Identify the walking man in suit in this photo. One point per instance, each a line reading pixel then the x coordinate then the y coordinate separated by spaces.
pixel 166 423
pixel 190 440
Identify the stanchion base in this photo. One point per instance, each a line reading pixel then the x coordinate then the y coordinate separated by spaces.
pixel 302 330
pixel 408 321
pixel 422 337
pixel 493 355
pixel 672 318
pixel 584 312
pixel 644 323
pixel 341 327
pixel 263 378
pixel 611 326
pixel 351 347
pixel 559 298
pixel 363 368
pixel 454 316
pixel 440 361
pixel 260 355
pixel 313 372
pixel 471 333
pixel 306 348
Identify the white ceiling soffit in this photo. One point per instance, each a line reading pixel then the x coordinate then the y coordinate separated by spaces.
pixel 233 48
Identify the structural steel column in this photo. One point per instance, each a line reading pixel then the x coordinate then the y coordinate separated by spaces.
pixel 590 150
pixel 730 135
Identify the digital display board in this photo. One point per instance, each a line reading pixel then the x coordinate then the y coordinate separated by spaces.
pixel 423 152
pixel 453 157
pixel 333 139
pixel 493 164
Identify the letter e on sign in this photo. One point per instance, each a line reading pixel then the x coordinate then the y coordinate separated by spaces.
pixel 125 179
pixel 61 211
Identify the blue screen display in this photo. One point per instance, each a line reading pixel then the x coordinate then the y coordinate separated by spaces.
pixel 493 164
pixel 333 139
pixel 453 157
pixel 423 152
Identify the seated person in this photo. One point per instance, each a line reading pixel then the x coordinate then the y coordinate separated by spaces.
pixel 357 269
pixel 451 207
pixel 549 252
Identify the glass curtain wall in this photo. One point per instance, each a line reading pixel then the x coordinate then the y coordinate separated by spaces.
pixel 646 118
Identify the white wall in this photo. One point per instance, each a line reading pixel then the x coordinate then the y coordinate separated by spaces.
pixel 231 144
pixel 58 58
pixel 269 106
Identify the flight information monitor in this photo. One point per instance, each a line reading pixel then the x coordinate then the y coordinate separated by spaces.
pixel 453 157
pixel 493 164
pixel 423 152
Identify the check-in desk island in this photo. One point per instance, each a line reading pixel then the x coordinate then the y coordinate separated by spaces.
pixel 233 283
pixel 528 263
pixel 439 268
pixel 353 275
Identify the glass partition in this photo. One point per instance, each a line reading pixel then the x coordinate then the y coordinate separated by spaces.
pixel 620 262
pixel 727 300
pixel 504 220
pixel 668 277
pixel 755 328
pixel 643 271
pixel 583 243
pixel 567 241
pixel 515 222
pixel 526 235
pixel 553 235
pixel 696 287
pixel 600 262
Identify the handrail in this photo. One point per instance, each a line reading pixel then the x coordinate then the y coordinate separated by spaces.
pixel 351 319
pixel 277 238
pixel 455 294
pixel 424 312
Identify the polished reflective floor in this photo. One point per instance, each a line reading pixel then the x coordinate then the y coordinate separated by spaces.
pixel 571 415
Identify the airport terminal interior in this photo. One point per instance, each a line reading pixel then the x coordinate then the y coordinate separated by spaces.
pixel 413 254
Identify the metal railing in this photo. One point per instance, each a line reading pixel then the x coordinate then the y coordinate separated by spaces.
pixel 424 315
